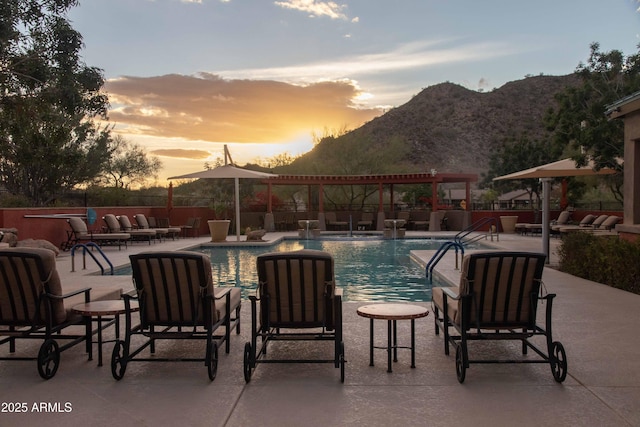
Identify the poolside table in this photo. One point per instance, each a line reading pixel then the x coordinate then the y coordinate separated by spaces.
pixel 392 312
pixel 99 309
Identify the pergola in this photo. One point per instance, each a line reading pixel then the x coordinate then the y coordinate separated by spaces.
pixel 381 181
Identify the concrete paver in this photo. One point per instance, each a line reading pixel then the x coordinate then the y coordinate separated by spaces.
pixel 596 324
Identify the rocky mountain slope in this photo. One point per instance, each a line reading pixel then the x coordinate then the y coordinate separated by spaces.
pixel 453 129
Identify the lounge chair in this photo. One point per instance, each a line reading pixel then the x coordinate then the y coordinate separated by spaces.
pixel 609 223
pixel 333 223
pixel 598 221
pixel 419 219
pixel 177 301
pixel 298 302
pixel 405 215
pixel 143 224
pixel 366 221
pixel 497 299
pixel 561 221
pixel 605 228
pixel 172 230
pixel 32 306
pixel 587 223
pixel 80 233
pixel 193 225
pixel 114 225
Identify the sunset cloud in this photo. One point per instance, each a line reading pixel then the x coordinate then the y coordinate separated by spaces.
pixel 409 56
pixel 315 8
pixel 206 107
pixel 180 153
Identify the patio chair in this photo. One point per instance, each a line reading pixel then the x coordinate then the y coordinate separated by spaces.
pixel 32 306
pixel 406 215
pixel 80 233
pixel 609 223
pixel 595 224
pixel 497 299
pixel 114 225
pixel 193 225
pixel 177 301
pixel 143 224
pixel 419 218
pixel 173 230
pixel 366 221
pixel 333 223
pixel 298 301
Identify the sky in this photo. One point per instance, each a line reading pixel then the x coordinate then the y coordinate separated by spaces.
pixel 265 77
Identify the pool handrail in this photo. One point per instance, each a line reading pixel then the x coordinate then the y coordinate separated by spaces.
pixel 444 247
pixel 85 249
pixel 493 228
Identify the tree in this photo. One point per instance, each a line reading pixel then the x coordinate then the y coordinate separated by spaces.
pixel 127 164
pixel 49 100
pixel 579 123
pixel 515 155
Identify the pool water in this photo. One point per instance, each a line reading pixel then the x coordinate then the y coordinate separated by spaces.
pixel 366 270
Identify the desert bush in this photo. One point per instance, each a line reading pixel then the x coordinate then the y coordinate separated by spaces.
pixel 608 260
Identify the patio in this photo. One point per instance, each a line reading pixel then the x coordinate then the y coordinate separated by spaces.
pixel 596 324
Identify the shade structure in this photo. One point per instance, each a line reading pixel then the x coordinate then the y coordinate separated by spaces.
pixel 561 168
pixel 558 169
pixel 228 171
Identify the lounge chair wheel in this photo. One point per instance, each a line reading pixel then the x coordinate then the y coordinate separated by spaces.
pixel 558 359
pixel 48 359
pixel 212 362
pixel 247 362
pixel 342 362
pixel 461 367
pixel 118 360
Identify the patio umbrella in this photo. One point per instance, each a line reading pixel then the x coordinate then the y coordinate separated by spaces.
pixel 228 171
pixel 559 169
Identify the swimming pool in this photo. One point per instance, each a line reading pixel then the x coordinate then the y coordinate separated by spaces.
pixel 365 269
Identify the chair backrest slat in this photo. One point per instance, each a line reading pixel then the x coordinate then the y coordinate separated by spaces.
pixel 504 287
pixel 174 288
pixel 295 287
pixel 25 275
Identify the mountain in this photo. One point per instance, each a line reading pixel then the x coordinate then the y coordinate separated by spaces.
pixel 453 129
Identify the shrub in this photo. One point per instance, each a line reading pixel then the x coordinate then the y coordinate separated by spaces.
pixel 608 260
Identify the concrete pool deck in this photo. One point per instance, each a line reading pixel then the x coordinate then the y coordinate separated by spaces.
pixel 596 324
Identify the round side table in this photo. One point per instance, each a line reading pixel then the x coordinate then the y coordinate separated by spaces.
pixel 392 312
pixel 99 309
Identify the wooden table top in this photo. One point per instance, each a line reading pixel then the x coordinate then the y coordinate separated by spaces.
pixel 392 311
pixel 103 308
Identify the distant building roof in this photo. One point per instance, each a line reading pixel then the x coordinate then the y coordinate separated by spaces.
pixel 623 106
pixel 517 195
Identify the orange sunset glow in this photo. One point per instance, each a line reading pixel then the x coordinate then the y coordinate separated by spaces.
pixel 208 108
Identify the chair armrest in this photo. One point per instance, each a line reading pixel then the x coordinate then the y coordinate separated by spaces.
pixel 450 293
pixel 220 293
pixel 79 291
